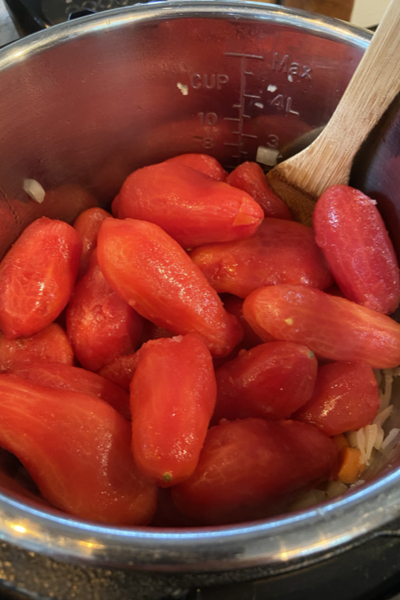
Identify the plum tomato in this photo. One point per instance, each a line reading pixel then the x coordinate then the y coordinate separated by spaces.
pixel 334 328
pixel 120 371
pixel 88 225
pixel 250 178
pixel 201 162
pixel 246 464
pixel 37 277
pixel 345 398
pixel 151 271
pixel 350 231
pixel 101 326
pixel 269 381
pixel 173 395
pixel 48 345
pixel 278 252
pixel 65 377
pixel 77 450
pixel 191 207
pixel 234 305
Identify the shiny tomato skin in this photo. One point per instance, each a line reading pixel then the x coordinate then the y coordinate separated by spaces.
pixel 350 231
pixel 247 463
pixel 150 270
pixel 345 398
pixel 65 377
pixel 88 225
pixel 77 450
pixel 120 371
pixel 201 162
pixel 173 395
pixel 270 381
pixel 37 277
pixel 101 326
pixel 333 327
pixel 234 305
pixel 191 207
pixel 50 345
pixel 278 252
pixel 250 178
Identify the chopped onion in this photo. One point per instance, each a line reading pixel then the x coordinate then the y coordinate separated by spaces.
pixel 308 499
pixel 370 433
pixel 34 190
pixel 379 438
pixel 336 488
pixel 393 433
pixel 382 416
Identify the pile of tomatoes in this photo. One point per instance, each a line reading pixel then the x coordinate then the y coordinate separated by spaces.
pixel 194 356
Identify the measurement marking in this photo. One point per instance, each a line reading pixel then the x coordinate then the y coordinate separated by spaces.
pixel 245 72
pixel 242 55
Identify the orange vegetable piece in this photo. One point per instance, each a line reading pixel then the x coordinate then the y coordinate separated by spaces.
pixel 350 465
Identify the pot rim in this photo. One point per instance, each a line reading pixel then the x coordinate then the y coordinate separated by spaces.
pixel 277 542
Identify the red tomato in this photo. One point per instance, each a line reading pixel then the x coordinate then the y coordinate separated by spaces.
pixel 49 345
pixel 191 207
pixel 345 398
pixel 250 178
pixel 157 278
pixel 88 225
pixel 66 202
pixel 77 450
pixel 333 327
pixel 101 326
pixel 234 305
pixel 246 464
pixel 120 371
pixel 269 381
pixel 201 162
pixel 278 252
pixel 352 234
pixel 173 395
pixel 37 277
pixel 64 377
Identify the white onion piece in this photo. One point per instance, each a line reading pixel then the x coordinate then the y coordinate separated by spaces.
pixel 382 416
pixel 380 434
pixel 34 190
pixel 391 436
pixel 336 488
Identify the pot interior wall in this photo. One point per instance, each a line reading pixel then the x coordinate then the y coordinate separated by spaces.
pixel 85 104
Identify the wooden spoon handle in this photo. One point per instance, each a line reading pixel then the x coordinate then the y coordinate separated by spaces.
pixel 374 85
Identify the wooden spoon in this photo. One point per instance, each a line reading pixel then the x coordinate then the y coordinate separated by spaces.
pixel 300 180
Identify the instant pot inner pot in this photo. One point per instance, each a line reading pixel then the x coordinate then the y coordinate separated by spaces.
pixel 84 104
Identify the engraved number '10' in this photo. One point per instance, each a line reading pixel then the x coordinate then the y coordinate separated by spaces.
pixel 209 118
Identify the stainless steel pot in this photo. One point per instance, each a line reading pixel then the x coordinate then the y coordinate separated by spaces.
pixel 87 102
